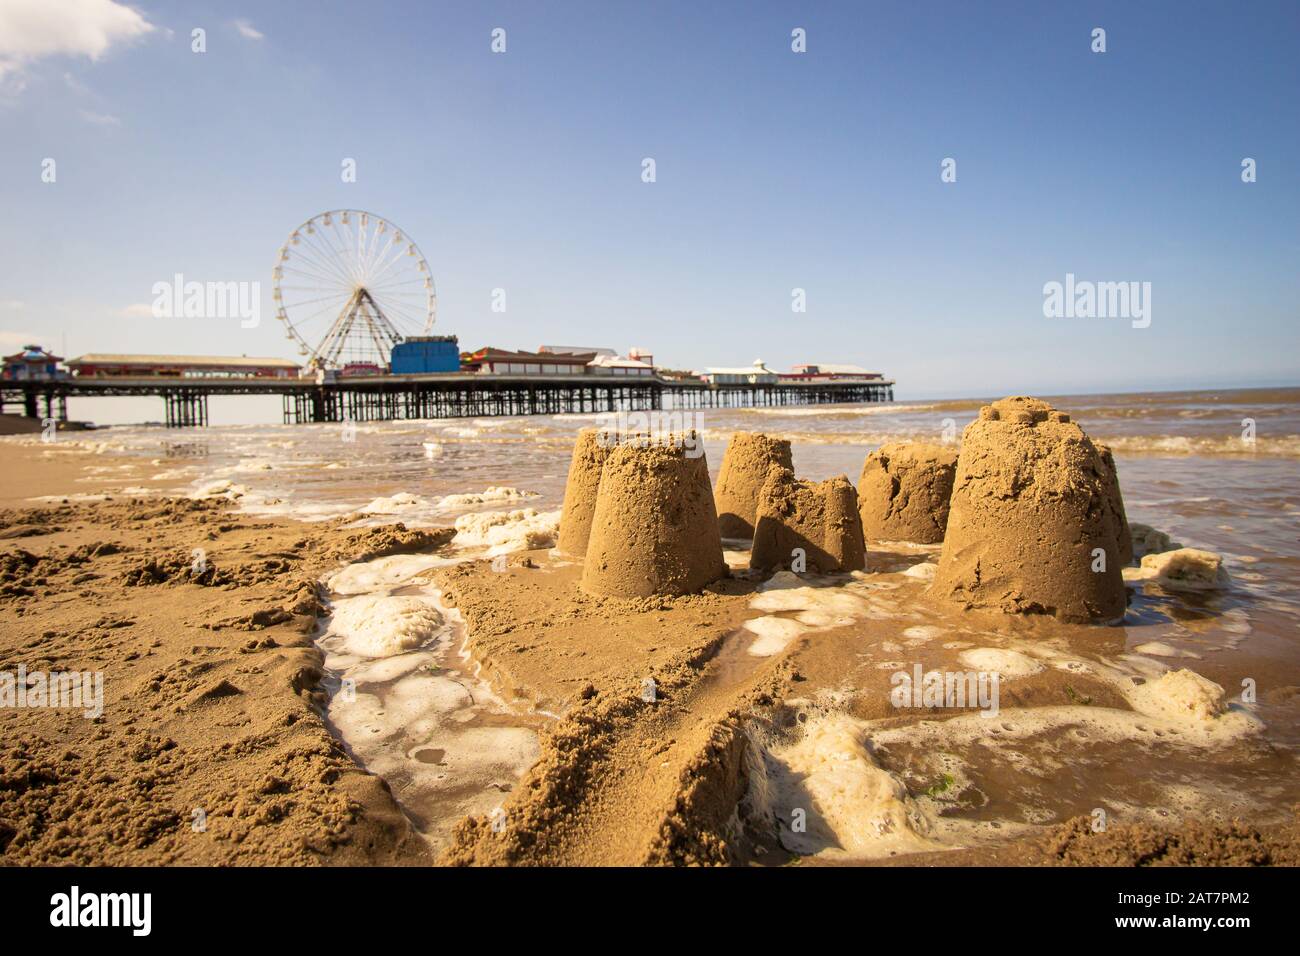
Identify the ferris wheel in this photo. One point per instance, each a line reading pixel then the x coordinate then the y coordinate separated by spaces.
pixel 348 286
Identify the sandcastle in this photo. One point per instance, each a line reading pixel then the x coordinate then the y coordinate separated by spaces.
pixel 589 453
pixel 904 490
pixel 820 519
pixel 654 530
pixel 744 469
pixel 1031 503
pixel 1115 505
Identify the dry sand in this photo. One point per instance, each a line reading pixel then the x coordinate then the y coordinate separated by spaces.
pixel 211 698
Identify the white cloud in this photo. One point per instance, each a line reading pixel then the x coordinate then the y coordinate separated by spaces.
pixel 247 30
pixel 100 119
pixel 31 29
pixel 137 310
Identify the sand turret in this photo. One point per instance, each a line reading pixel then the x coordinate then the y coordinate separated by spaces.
pixel 1030 505
pixel 904 490
pixel 818 518
pixel 589 453
pixel 654 530
pixel 1115 504
pixel 744 469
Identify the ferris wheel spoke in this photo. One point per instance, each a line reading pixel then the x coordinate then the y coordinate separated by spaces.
pixel 332 301
pixel 327 234
pixel 317 273
pixel 370 250
pixel 316 318
pixel 322 266
pixel 349 286
pixel 329 261
pixel 309 249
pixel 400 257
pixel 376 266
pixel 321 278
pixel 343 250
pixel 401 285
pixel 360 249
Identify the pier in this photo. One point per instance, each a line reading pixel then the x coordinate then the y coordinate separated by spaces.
pixel 447 395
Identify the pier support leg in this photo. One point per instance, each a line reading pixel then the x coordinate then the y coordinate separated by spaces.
pixel 186 409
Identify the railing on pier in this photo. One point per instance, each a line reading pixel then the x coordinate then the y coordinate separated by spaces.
pixel 378 400
pixel 393 397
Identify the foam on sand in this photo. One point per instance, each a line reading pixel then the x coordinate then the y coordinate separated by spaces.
pixel 504 531
pixel 995 660
pixel 1179 708
pixel 1187 569
pixel 828 778
pixel 589 453
pixel 922 571
pixel 904 490
pixel 832 601
pixel 818 519
pixel 418 731
pixel 374 625
pixel 655 530
pixel 829 796
pixel 774 634
pixel 493 495
pixel 740 479
pixel 1161 649
pixel 382 573
pixel 401 503
pixel 222 488
pixel 1029 507
pixel 1181 696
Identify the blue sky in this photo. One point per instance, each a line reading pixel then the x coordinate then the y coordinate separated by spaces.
pixel 775 170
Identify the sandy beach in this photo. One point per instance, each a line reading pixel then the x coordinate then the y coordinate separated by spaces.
pixel 210 749
pixel 426 678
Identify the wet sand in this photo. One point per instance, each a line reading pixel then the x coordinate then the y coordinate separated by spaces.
pixel 626 780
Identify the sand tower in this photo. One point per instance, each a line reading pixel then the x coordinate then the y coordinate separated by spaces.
pixel 820 518
pixel 744 469
pixel 589 453
pixel 904 490
pixel 1115 502
pixel 655 530
pixel 1030 503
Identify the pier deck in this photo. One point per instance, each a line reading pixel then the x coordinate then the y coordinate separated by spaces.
pixel 392 397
